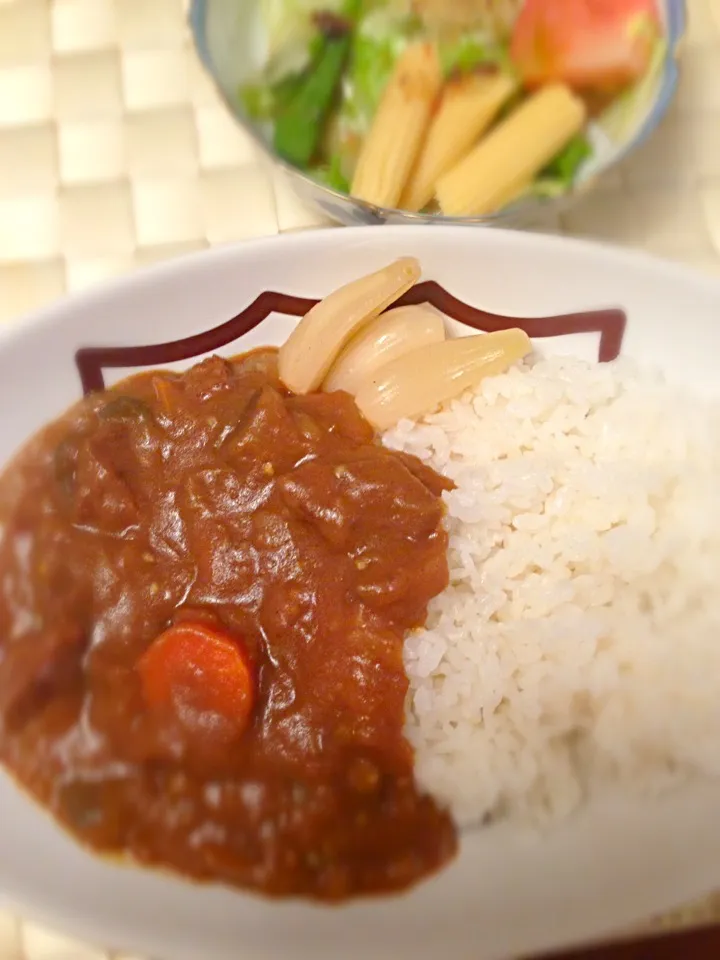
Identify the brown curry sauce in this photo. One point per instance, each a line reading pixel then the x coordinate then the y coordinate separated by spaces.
pixel 215 498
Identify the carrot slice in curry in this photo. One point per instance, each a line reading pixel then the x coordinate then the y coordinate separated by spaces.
pixel 197 671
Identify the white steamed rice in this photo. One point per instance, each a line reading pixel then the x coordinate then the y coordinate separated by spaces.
pixel 578 644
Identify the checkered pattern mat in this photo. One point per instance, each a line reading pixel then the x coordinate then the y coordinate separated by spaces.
pixel 115 153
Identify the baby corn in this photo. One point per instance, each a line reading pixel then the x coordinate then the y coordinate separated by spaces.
pixel 507 160
pixel 400 124
pixel 467 108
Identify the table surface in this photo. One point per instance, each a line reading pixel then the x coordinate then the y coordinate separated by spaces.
pixel 115 153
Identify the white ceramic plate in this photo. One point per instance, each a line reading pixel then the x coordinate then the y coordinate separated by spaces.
pixel 507 894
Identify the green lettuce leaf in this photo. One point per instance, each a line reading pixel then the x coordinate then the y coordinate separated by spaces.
pixel 564 167
pixel 262 100
pixel 331 174
pixel 469 52
pixel 379 40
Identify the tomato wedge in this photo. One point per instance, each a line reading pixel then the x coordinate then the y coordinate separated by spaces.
pixel 591 45
pixel 202 675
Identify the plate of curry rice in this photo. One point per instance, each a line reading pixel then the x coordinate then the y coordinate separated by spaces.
pixel 358 598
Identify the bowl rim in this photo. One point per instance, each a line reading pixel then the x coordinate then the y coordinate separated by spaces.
pixel 606 252
pixel 676 15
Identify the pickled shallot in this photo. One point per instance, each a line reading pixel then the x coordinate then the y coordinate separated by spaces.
pixel 306 357
pixel 392 335
pixel 419 381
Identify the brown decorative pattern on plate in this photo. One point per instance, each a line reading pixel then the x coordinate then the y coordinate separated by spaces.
pixel 91 361
pixel 701 944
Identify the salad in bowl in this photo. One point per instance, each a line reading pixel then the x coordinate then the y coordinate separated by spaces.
pixel 467 109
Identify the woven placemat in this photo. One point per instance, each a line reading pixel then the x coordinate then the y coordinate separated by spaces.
pixel 115 153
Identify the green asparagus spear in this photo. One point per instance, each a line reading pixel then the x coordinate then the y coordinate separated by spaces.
pixel 299 122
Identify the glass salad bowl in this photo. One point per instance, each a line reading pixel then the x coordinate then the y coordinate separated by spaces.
pixel 252 48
